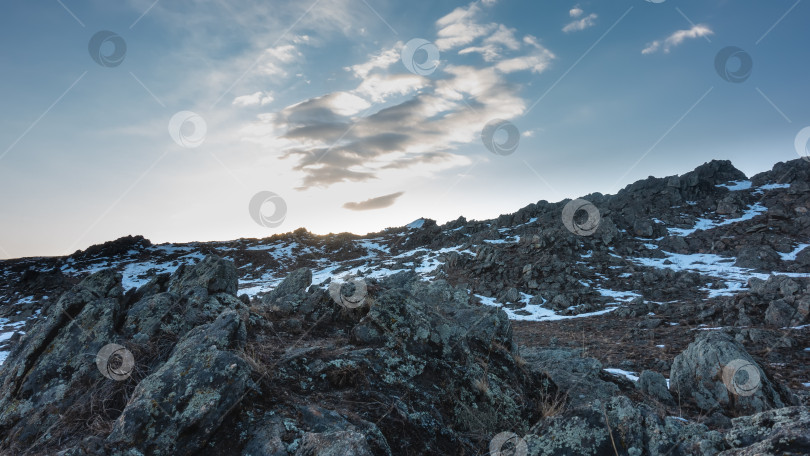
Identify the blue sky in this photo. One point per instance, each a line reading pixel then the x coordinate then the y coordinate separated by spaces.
pixel 312 101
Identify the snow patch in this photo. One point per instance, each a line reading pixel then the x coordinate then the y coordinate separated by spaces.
pixel 536 312
pixel 736 186
pixel 791 256
pixel 707 224
pixel 735 278
pixel 772 186
pixel 620 372
pixel 622 296
pixel 416 224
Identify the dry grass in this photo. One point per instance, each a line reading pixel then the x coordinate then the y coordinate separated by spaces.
pixel 481 385
pixel 552 404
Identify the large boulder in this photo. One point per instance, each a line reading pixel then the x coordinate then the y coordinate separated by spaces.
pixel 582 379
pixel 717 374
pixel 213 273
pixel 286 298
pixel 655 385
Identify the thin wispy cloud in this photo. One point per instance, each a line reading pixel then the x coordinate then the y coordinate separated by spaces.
pixel 380 202
pixel 677 38
pixel 580 23
pixel 259 98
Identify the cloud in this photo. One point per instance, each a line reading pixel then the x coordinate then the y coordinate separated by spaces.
pixel 576 11
pixel 381 87
pixel 382 61
pixel 677 38
pixel 276 60
pixel 537 63
pixel 581 24
pixel 259 98
pixel 392 121
pixel 493 45
pixel 332 142
pixel 379 202
pixel 460 27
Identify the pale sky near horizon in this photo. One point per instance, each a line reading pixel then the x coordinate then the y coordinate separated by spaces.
pixel 313 101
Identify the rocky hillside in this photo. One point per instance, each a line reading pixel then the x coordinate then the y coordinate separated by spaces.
pixel 671 318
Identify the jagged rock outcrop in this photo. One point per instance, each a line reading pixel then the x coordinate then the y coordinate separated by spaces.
pixel 176 409
pixel 53 378
pixel 784 431
pixel 202 358
pixel 619 426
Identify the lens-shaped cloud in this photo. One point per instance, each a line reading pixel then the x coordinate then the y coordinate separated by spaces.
pixel 182 138
pixel 516 446
pixel 259 201
pixel 113 58
pixel 508 145
pixel 358 296
pixel 723 64
pixel 741 377
pixel 585 228
pixel 119 370
pixel 409 56
pixel 802 143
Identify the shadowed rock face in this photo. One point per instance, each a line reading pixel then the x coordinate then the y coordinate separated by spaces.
pixel 207 372
pixel 52 376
